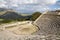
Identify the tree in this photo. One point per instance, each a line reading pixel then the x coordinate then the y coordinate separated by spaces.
pixel 35 16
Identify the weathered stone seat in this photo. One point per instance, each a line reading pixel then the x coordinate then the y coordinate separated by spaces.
pixel 48 23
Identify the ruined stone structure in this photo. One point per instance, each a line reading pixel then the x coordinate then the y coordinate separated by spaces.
pixel 48 23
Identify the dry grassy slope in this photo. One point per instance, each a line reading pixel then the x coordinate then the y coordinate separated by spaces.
pixel 49 23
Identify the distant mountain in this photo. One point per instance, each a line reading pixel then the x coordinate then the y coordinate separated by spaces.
pixel 2 9
pixel 11 14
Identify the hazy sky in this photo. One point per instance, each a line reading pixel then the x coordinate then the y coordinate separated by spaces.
pixel 26 6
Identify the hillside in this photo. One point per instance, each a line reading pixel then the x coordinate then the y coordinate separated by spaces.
pixel 8 15
pixel 12 15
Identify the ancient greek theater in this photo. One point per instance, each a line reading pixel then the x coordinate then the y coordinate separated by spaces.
pixel 45 27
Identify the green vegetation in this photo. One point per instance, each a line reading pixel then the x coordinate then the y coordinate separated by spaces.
pixel 5 21
pixel 11 16
pixel 35 16
pixel 57 10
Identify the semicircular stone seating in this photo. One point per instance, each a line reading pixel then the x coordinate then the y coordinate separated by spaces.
pixel 48 23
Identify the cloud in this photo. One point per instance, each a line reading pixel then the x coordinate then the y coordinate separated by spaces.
pixel 28 5
pixel 21 2
pixel 49 1
pixel 31 1
pixel 2 5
